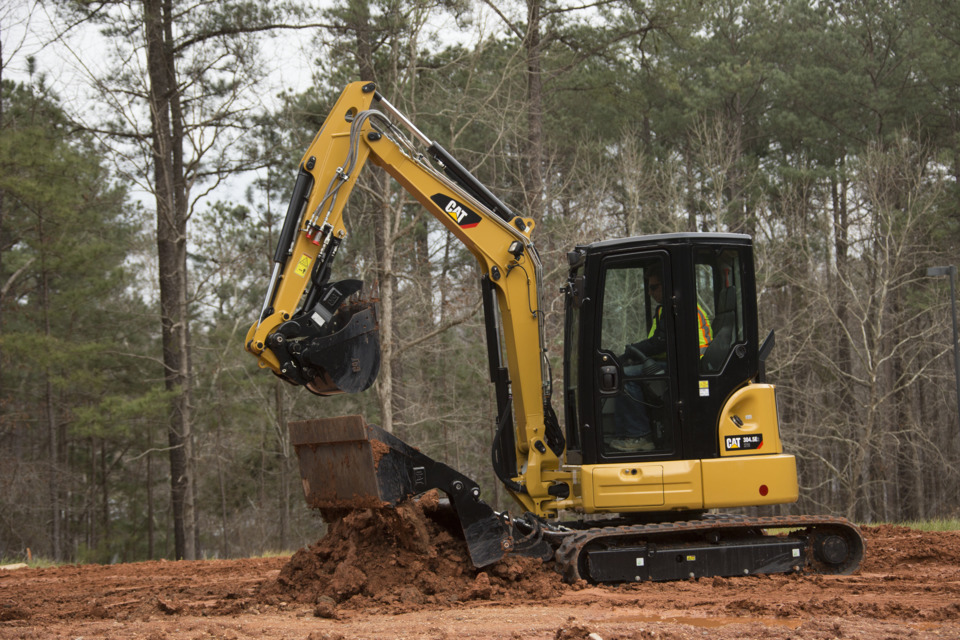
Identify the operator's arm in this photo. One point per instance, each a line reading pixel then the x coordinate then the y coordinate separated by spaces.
pixel 655 345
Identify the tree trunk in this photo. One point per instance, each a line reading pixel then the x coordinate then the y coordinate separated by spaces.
pixel 533 182
pixel 3 242
pixel 104 494
pixel 385 255
pixel 284 466
pixel 50 417
pixel 150 519
pixel 56 538
pixel 380 188
pixel 221 480
pixel 690 197
pixel 89 523
pixel 170 193
pixel 841 230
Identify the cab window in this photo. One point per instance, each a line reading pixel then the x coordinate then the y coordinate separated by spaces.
pixel 720 299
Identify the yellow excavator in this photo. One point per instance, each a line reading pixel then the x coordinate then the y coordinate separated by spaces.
pixel 667 415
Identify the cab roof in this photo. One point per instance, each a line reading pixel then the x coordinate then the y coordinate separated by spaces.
pixel 698 239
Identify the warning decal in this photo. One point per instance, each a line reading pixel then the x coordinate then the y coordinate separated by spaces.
pixel 303 265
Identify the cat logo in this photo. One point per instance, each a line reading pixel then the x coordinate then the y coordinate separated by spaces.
pixel 733 443
pixel 459 212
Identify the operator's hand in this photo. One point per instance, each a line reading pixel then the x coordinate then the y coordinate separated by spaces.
pixel 634 354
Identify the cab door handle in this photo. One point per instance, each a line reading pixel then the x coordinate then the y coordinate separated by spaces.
pixel 609 378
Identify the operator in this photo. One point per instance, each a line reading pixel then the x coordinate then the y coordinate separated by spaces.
pixel 631 420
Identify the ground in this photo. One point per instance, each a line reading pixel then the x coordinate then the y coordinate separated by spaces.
pixel 394 575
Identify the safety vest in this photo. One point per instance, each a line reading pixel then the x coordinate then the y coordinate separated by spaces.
pixel 703 326
pixel 656 320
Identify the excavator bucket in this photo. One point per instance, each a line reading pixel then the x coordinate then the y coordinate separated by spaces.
pixel 346 463
pixel 347 357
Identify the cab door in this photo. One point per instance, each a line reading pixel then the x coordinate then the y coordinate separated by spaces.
pixel 633 359
pixel 724 287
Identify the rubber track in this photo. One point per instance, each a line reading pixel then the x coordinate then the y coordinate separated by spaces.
pixel 568 553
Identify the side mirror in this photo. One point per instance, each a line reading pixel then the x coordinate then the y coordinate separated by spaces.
pixel 574 289
pixel 765 349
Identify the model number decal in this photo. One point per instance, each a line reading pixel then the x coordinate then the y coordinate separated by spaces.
pixel 739 443
pixel 459 212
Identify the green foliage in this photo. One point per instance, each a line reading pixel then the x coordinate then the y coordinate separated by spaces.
pixel 113 414
pixel 71 329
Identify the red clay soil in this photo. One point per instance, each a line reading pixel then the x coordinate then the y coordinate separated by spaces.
pixel 397 574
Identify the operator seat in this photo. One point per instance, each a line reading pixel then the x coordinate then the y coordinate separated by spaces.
pixel 724 329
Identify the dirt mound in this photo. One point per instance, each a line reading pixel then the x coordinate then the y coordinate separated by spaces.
pixel 888 545
pixel 403 559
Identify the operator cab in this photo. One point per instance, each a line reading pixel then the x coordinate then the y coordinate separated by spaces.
pixel 660 331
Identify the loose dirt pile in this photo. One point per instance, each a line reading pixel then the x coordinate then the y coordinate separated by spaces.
pixel 889 545
pixel 404 559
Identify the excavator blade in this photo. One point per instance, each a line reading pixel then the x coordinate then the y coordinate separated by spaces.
pixel 346 463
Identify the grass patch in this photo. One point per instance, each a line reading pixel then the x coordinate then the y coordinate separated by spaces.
pixel 941 524
pixel 33 563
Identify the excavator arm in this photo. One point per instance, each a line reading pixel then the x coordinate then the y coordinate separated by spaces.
pixel 319 334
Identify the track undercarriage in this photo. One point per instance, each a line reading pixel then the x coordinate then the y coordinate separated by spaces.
pixel 714 545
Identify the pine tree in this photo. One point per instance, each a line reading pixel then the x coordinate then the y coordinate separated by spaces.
pixel 64 286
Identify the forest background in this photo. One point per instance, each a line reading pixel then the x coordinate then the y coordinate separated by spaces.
pixel 134 425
